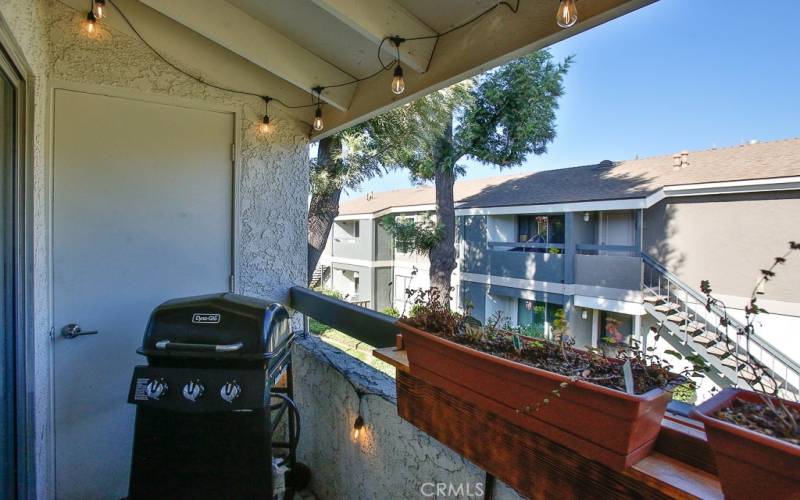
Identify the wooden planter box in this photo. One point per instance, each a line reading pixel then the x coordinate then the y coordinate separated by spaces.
pixel 602 424
pixel 750 464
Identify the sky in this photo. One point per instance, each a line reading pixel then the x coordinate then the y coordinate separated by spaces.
pixel 675 75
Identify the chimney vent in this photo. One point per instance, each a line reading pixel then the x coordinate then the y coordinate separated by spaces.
pixel 684 159
pixel 676 161
pixel 370 195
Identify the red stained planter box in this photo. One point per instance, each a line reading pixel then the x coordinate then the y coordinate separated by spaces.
pixel 602 424
pixel 749 464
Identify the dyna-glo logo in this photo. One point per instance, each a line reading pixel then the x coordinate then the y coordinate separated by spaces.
pixel 206 318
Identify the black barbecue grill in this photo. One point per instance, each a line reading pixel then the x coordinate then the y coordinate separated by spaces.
pixel 209 399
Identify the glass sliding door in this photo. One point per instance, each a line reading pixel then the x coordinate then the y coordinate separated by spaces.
pixel 7 276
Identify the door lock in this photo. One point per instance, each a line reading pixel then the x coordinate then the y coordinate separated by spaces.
pixel 73 330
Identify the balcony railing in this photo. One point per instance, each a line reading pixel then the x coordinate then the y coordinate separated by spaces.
pixel 535 261
pixel 610 266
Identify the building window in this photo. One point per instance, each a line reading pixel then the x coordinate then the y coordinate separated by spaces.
pixel 536 318
pixel 356 228
pixel 543 229
pixel 615 328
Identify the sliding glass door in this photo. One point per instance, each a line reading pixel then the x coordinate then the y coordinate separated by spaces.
pixel 7 277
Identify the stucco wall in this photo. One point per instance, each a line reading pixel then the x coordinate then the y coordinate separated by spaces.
pixel 727 239
pixel 273 176
pixel 391 458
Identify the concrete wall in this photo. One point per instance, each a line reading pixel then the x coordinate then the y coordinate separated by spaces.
pixel 342 284
pixel 727 239
pixel 383 288
pixel 527 265
pixel 273 177
pixel 391 458
pixel 346 246
pixel 476 253
pixel 475 294
pixel 384 246
pixel 612 271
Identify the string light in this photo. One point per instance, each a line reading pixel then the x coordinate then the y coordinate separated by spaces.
pixel 318 124
pixel 398 85
pixel 398 82
pixel 265 127
pixel 567 14
pixel 100 9
pixel 357 426
pixel 91 20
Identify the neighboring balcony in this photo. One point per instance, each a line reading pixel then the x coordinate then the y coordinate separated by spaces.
pixel 527 261
pixel 608 266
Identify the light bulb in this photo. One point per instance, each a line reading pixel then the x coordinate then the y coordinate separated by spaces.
pixel 100 9
pixel 398 82
pixel 265 128
pixel 357 426
pixel 91 20
pixel 318 123
pixel 567 14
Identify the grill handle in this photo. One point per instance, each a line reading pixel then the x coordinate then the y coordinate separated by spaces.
pixel 168 345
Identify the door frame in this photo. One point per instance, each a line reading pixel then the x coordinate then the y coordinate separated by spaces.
pixel 16 69
pixel 123 93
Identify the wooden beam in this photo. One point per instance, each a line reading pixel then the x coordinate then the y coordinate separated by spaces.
pixel 235 30
pixel 376 19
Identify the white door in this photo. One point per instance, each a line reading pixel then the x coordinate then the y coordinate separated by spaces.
pixel 142 212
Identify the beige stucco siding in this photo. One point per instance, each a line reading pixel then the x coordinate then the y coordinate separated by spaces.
pixel 727 239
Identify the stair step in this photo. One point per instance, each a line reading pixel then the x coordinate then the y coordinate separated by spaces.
pixel 695 326
pixel 734 360
pixel 706 340
pixel 655 299
pixel 718 350
pixel 679 318
pixel 667 307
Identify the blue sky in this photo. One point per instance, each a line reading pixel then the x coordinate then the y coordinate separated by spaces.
pixel 678 74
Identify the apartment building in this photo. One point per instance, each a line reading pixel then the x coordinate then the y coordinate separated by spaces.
pixel 618 249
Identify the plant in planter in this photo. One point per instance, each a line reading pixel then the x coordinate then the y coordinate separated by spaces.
pixel 755 435
pixel 609 409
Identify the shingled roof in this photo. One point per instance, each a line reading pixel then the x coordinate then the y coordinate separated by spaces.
pixel 604 181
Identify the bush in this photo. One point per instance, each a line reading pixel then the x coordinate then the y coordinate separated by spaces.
pixel 330 293
pixel 391 311
pixel 686 393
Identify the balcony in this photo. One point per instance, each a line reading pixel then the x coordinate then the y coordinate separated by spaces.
pixel 527 261
pixel 608 266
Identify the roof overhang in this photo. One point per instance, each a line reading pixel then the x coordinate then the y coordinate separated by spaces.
pixel 283 49
pixel 703 189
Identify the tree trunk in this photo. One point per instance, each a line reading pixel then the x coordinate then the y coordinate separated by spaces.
pixel 323 209
pixel 443 255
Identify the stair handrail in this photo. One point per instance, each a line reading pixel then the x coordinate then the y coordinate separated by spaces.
pixel 761 342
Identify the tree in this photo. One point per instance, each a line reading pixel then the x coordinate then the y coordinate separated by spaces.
pixel 344 160
pixel 499 118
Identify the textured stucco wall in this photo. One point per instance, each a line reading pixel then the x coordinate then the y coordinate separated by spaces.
pixel 391 459
pixel 273 175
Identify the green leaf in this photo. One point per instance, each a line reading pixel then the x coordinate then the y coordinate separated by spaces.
pixel 674 354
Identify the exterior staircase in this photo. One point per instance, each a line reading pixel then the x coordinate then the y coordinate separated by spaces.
pixel 320 272
pixel 686 324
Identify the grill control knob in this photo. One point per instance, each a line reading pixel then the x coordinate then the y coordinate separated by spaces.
pixel 155 389
pixel 230 391
pixel 193 390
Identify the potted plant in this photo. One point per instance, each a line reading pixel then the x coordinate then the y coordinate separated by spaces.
pixel 755 435
pixel 609 409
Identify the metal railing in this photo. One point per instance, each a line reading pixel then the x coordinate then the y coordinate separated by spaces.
pixel 525 245
pixel 622 250
pixel 778 366
pixel 368 326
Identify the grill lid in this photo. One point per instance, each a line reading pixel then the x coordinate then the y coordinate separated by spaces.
pixel 223 325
